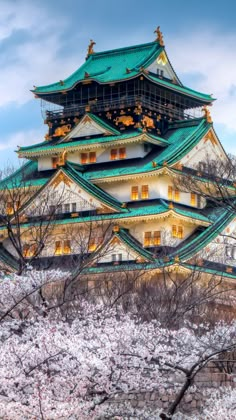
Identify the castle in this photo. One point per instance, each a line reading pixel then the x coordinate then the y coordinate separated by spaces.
pixel 121 129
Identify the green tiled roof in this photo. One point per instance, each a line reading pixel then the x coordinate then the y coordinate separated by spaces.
pixel 21 177
pixel 47 147
pixel 142 211
pixel 111 66
pixel 94 190
pixel 192 247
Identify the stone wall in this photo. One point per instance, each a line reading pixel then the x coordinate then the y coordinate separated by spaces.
pixel 195 399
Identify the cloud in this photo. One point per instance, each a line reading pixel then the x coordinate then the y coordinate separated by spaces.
pixel 208 59
pixel 36 57
pixel 22 138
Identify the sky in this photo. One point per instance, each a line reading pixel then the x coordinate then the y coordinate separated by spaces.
pixel 44 41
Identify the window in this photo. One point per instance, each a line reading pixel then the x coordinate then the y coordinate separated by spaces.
pixel 144 192
pixel 177 195
pixel 113 154
pixel 9 208
pixel 202 166
pixel 84 158
pixel 180 232
pixel 147 239
pixel 170 192
pixel 152 238
pixel 67 247
pixel 193 199
pixel 230 252
pixel 73 207
pixel 116 258
pixel 54 162
pixel 67 208
pixel 92 157
pixel 118 153
pixel 199 201
pixel 177 232
pixel 52 209
pixel 134 193
pixel 59 209
pixel 122 153
pixel 174 231
pixel 58 248
pixel 92 245
pixel 26 249
pixel 157 238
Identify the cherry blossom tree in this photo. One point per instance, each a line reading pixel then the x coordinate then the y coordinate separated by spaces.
pixel 57 367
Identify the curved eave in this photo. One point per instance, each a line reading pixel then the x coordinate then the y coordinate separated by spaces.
pixel 201 97
pixel 94 143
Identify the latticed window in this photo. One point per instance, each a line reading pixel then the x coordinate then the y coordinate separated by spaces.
pixel 73 207
pixel 114 154
pixel 134 193
pixel 180 232
pixel 92 245
pixel 26 249
pixel 116 257
pixel 144 192
pixel 157 238
pixel 170 192
pixel 193 200
pixel 177 232
pixel 176 195
pixel 84 158
pixel 9 208
pixel 174 231
pixel 92 157
pixel 67 247
pixel 58 248
pixel 67 208
pixel 147 239
pixel 122 153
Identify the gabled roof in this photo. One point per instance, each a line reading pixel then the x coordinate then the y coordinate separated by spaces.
pixel 118 65
pixel 192 246
pixel 87 186
pixel 90 125
pixel 129 241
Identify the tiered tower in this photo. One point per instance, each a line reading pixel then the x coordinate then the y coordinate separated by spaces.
pixel 121 128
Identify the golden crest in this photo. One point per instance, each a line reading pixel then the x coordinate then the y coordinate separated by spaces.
pixel 61 178
pixel 124 119
pixel 62 131
pixel 148 122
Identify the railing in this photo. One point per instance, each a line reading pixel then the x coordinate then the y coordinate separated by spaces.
pixel 108 104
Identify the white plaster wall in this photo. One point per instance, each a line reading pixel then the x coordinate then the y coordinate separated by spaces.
pixel 165 226
pixel 127 255
pixel 44 163
pixel 158 188
pixel 62 195
pixel 202 152
pixel 168 72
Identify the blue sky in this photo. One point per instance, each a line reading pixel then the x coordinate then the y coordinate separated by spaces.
pixel 43 41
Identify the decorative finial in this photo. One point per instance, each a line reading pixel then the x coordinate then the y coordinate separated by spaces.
pixel 159 37
pixel 90 47
pixel 207 114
